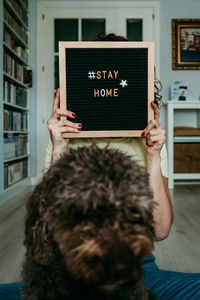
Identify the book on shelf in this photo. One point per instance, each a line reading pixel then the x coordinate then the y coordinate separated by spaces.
pixel 9 148
pixel 19 10
pixel 5 176
pixel 13 68
pixel 20 51
pixel 21 145
pixel 15 121
pixel 14 94
pixel 20 30
pixel 14 172
pixel 15 146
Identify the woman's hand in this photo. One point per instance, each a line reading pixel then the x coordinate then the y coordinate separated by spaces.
pixel 153 136
pixel 57 126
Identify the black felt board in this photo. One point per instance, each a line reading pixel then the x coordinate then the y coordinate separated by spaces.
pixel 128 111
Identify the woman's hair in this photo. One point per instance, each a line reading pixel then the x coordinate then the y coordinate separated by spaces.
pixel 111 37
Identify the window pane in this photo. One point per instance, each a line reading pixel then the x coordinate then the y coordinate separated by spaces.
pixel 65 30
pixel 91 27
pixel 134 29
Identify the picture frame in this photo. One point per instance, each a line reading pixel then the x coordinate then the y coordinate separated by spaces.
pixel 108 85
pixel 186 44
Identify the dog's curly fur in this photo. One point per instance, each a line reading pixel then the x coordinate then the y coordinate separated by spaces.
pixel 89 225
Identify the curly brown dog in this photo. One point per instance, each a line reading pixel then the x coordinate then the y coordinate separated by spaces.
pixel 89 226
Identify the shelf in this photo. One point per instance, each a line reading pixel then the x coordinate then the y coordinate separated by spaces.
pixel 185 105
pixel 16 106
pixel 185 176
pixel 21 60
pixel 23 6
pixel 15 14
pixel 16 158
pixel 23 181
pixel 15 80
pixel 15 35
pixel 186 139
pixel 172 108
pixel 15 132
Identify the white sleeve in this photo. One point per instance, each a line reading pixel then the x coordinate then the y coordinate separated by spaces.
pixel 48 156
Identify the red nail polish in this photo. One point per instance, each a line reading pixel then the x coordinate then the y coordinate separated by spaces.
pixel 143 133
pixel 80 125
pixel 74 115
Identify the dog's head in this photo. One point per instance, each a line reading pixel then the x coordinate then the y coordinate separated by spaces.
pixel 96 206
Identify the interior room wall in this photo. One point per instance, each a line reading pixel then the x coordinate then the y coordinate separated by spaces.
pixel 177 9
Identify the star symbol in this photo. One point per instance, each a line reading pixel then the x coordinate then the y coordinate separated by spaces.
pixel 123 83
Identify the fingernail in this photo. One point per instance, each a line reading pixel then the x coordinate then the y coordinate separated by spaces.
pixel 143 133
pixel 79 129
pixel 74 115
pixel 80 125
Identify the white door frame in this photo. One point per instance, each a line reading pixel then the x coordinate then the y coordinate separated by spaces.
pixel 43 9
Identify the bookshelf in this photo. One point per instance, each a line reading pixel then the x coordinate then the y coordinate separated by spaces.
pixel 15 135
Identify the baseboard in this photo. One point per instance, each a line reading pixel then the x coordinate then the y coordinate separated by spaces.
pixel 13 190
pixel 35 180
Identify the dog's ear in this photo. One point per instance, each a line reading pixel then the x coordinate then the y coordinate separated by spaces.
pixel 38 240
pixel 142 246
pixel 43 244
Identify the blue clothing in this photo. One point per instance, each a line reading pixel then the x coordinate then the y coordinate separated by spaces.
pixel 169 285
pixel 166 285
pixel 10 291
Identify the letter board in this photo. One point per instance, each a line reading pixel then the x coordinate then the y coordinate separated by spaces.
pixel 109 85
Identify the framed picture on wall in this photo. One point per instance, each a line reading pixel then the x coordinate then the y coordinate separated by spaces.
pixel 186 44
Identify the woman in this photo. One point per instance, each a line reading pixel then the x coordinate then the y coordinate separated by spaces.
pixel 149 150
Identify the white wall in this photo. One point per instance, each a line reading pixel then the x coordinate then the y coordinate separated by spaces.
pixel 177 9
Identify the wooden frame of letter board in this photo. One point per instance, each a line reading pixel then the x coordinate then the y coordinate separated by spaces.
pixel 63 94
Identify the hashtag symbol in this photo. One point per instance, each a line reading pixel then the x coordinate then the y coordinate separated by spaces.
pixel 91 75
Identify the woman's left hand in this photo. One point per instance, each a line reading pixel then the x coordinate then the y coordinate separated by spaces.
pixel 153 136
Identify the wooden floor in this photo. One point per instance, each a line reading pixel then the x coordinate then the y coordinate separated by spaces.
pixel 179 252
pixel 12 251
